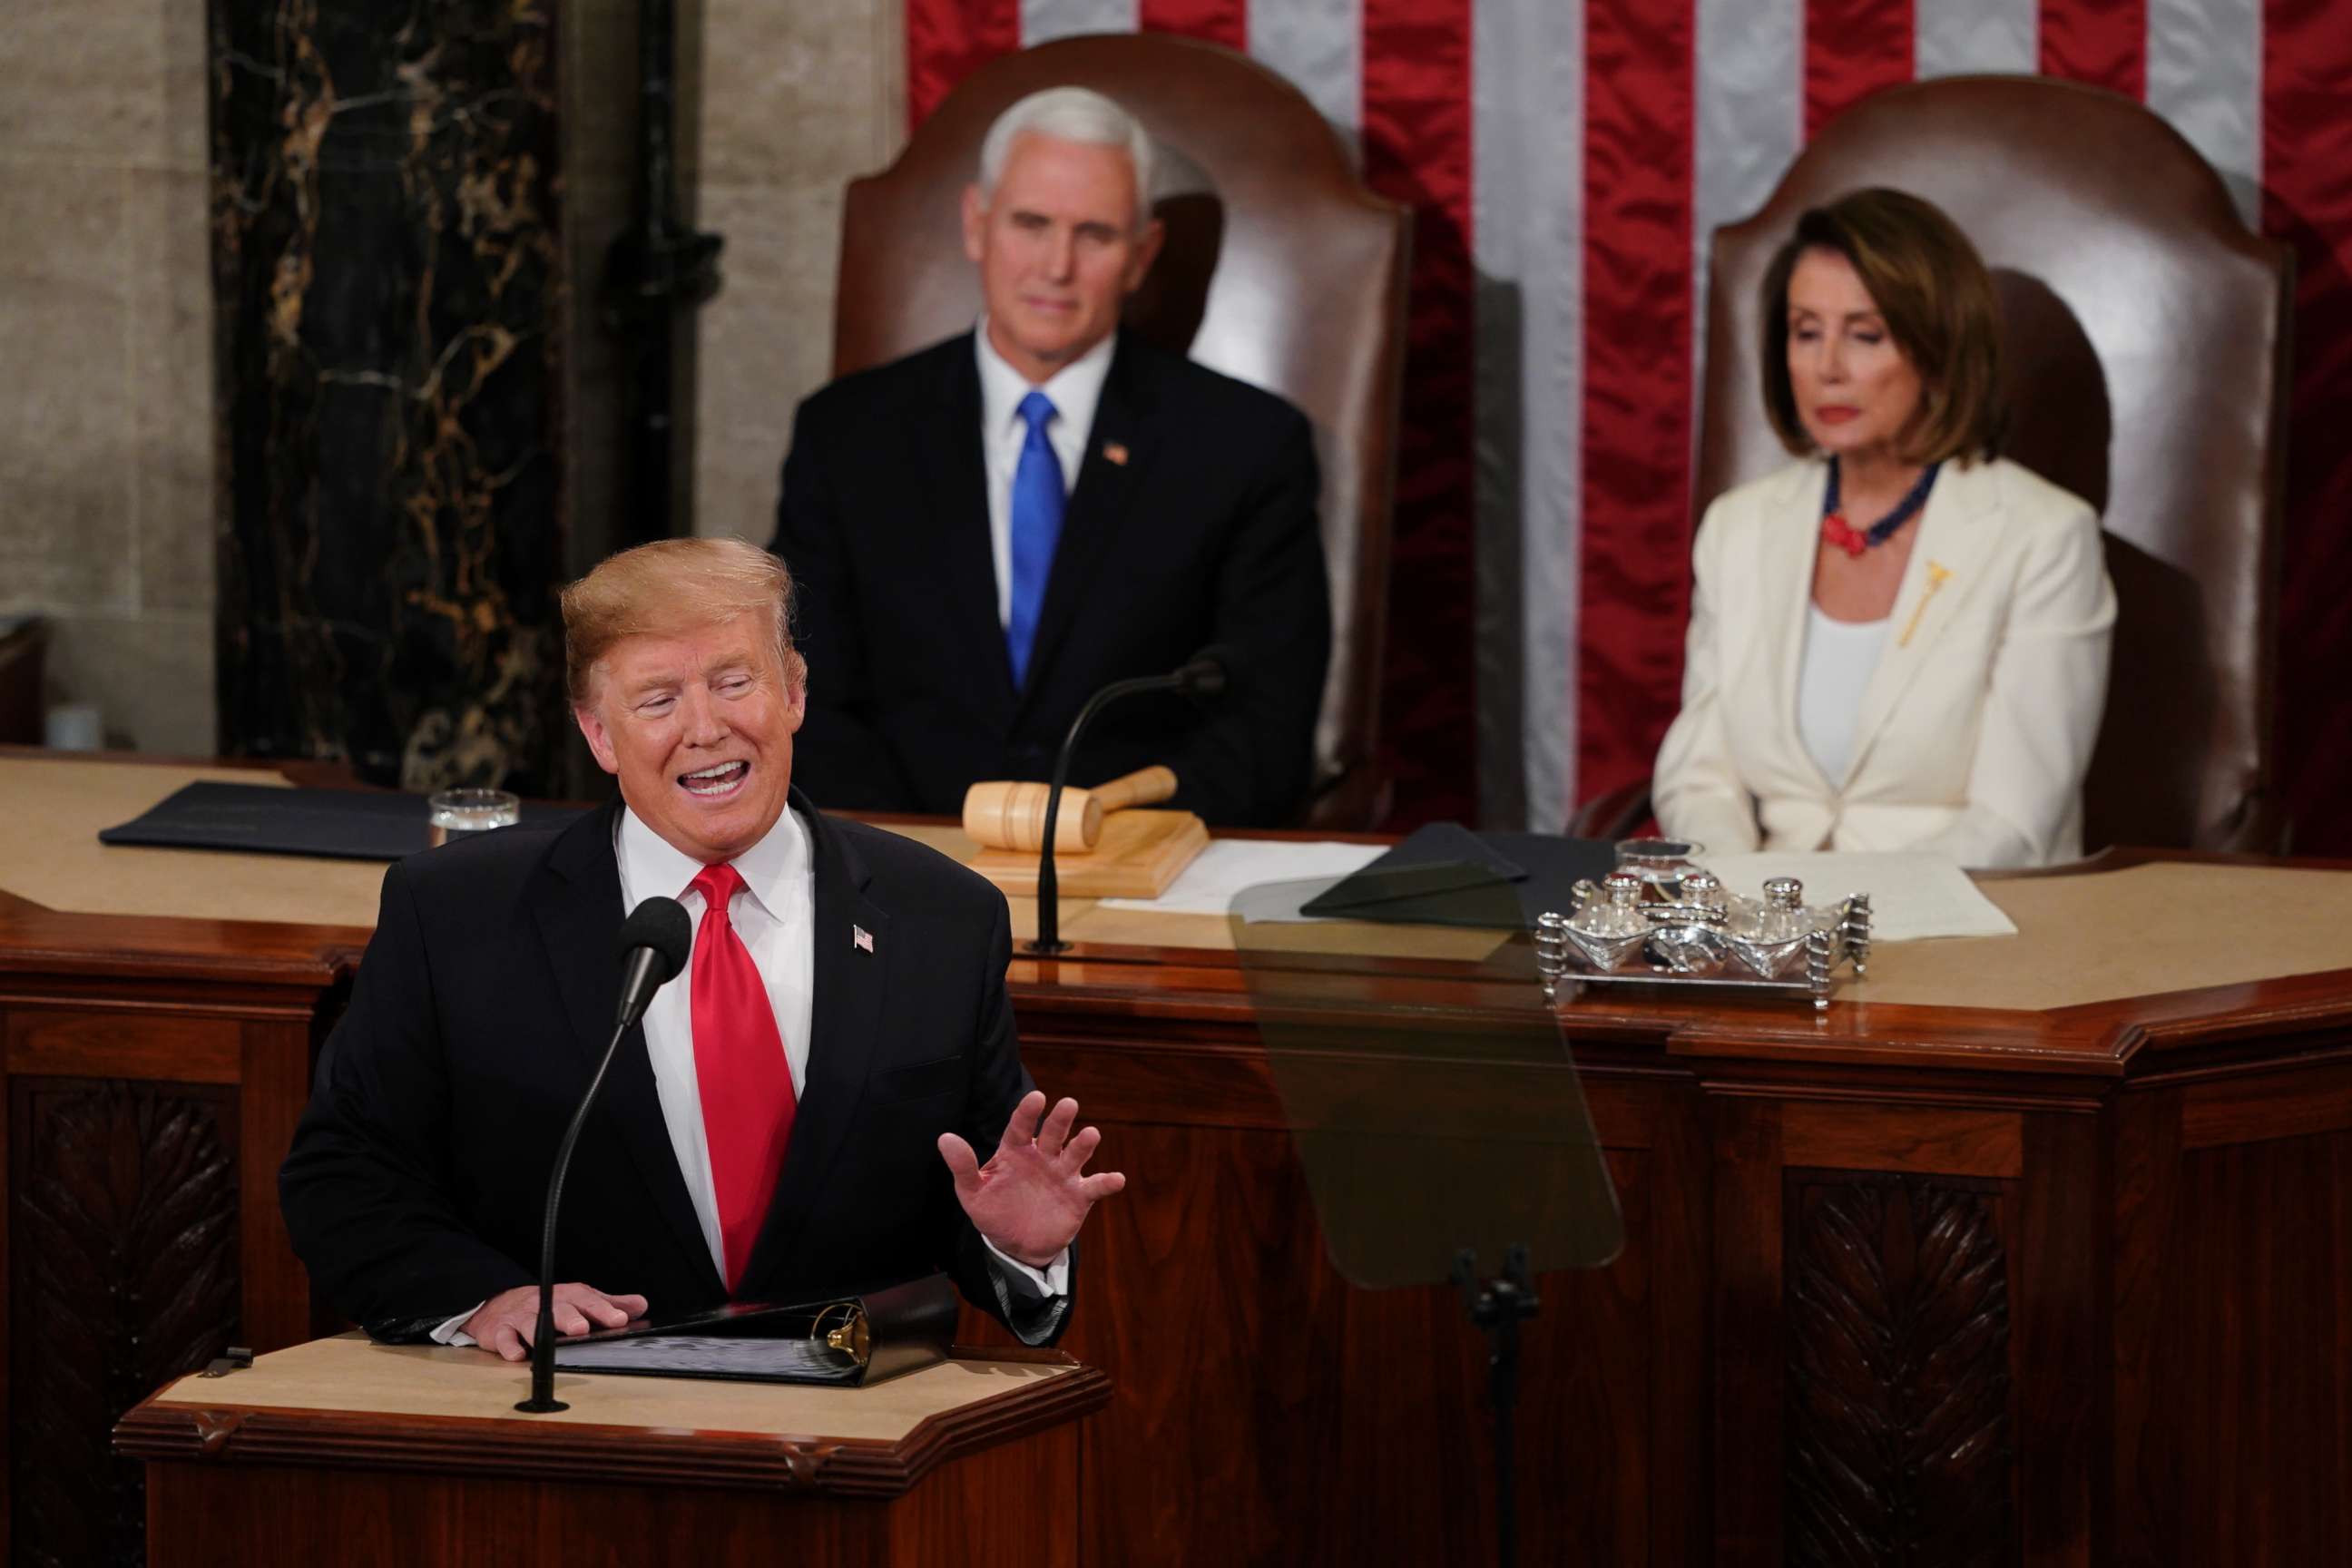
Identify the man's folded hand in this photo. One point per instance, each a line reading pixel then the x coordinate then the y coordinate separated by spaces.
pixel 506 1321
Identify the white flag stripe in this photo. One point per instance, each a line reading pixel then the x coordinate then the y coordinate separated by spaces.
pixel 2205 76
pixel 1042 21
pixel 1318 46
pixel 1749 110
pixel 1952 38
pixel 1527 245
pixel 1748 95
pixel 1748 104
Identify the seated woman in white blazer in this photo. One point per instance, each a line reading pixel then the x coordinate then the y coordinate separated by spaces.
pixel 1901 641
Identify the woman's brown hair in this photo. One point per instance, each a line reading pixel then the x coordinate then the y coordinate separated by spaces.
pixel 1937 299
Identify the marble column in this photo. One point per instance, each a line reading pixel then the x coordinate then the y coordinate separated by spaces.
pixel 392 326
pixel 797 98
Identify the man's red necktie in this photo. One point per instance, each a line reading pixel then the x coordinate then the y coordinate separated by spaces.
pixel 740 1067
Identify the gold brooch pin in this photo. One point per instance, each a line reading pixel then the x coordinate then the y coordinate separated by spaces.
pixel 1115 453
pixel 1937 575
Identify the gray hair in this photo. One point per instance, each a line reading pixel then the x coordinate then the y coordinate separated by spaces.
pixel 1070 114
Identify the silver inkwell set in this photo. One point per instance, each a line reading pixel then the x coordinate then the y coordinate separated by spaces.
pixel 1661 918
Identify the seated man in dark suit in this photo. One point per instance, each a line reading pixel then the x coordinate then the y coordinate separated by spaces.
pixel 989 530
pixel 795 1116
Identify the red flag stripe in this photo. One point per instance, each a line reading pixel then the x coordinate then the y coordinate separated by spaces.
pixel 1634 596
pixel 1222 22
pixel 947 40
pixel 2101 42
pixel 2307 201
pixel 1417 150
pixel 1852 48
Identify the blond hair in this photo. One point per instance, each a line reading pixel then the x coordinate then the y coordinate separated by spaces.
pixel 670 587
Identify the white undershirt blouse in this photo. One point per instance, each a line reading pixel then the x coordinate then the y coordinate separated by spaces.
pixel 1839 658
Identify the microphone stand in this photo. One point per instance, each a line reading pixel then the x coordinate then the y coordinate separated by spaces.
pixel 543 1339
pixel 1203 677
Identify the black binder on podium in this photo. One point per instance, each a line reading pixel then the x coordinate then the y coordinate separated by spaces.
pixel 849 1340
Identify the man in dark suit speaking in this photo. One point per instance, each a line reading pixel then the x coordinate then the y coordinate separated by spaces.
pixel 796 1114
pixel 987 532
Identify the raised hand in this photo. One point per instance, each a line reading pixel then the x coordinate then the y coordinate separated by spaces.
pixel 1033 1195
pixel 505 1321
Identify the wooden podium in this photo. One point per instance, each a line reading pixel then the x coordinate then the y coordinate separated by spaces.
pixel 348 1452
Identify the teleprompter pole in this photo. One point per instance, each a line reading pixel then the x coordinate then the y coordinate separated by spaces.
pixel 1500 1306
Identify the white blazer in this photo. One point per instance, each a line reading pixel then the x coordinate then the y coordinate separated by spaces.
pixel 1977 725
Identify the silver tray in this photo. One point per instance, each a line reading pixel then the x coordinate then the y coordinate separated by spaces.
pixel 1697 945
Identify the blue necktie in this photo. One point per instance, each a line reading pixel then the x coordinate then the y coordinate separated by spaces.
pixel 1037 501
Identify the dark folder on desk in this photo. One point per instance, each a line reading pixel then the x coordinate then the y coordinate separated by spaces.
pixel 852 1340
pixel 327 823
pixel 1419 882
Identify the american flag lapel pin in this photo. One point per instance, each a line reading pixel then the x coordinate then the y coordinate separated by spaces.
pixel 1114 452
pixel 863 937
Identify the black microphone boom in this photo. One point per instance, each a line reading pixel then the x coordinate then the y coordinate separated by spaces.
pixel 1203 677
pixel 655 941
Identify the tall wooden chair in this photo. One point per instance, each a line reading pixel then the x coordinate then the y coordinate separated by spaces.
pixel 1280 268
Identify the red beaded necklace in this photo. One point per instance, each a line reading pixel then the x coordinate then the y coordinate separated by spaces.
pixel 1845 537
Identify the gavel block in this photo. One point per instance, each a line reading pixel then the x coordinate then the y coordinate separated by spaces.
pixel 1103 847
pixel 1140 852
pixel 1012 815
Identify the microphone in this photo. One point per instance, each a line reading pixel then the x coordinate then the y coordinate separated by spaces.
pixel 1204 676
pixel 655 941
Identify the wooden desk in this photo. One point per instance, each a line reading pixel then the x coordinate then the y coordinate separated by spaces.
pixel 345 1452
pixel 2064 1207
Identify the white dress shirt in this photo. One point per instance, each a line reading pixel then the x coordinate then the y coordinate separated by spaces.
pixel 774 913
pixel 1075 389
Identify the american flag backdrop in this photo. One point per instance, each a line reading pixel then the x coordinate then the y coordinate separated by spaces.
pixel 1567 160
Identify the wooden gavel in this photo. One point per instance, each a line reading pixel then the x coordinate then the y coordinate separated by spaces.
pixel 999 815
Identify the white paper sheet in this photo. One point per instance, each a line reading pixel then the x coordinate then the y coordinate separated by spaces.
pixel 1207 886
pixel 1911 896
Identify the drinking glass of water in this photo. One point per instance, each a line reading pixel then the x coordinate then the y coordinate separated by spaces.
pixel 455 813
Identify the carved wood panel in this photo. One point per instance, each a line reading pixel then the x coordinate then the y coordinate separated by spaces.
pixel 123 1265
pixel 1899 1439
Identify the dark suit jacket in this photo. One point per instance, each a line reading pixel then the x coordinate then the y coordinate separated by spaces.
pixel 1205 534
pixel 418 1175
